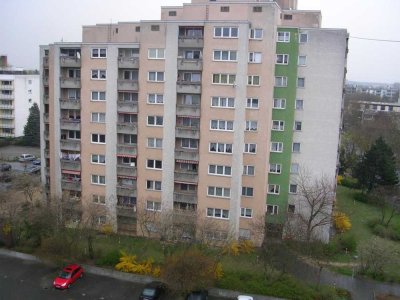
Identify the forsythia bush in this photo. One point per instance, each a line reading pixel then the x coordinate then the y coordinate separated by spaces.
pixel 246 246
pixel 128 263
pixel 6 228
pixel 107 229
pixel 339 179
pixel 342 222
pixel 218 272
pixel 232 249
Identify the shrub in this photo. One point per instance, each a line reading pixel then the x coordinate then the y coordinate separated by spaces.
pixel 342 222
pixel 232 249
pixel 246 246
pixel 361 197
pixel 339 179
pixel 348 241
pixel 385 232
pixel 128 263
pixel 349 182
pixel 111 258
pixel 106 229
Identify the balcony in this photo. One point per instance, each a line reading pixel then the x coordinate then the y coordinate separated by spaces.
pixel 188 87
pixel 70 103
pixel 126 170
pixel 70 144
pixel 46 62
pixel 46 153
pixel 6 96
pixel 6 116
pixel 46 135
pixel 192 155
pixel 185 197
pixel 6 134
pixel 128 85
pixel 126 225
pixel 10 126
pixel 70 61
pixel 45 80
pixel 70 124
pixel 46 99
pixel 190 42
pixel 130 150
pixel 126 210
pixel 71 185
pixel 127 62
pixel 185 64
pixel 128 128
pixel 73 165
pixel 8 87
pixel 188 110
pixel 186 176
pixel 124 190
pixel 70 83
pixel 46 117
pixel 187 132
pixel 128 106
pixel 5 106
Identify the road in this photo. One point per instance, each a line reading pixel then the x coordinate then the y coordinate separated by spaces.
pixel 29 280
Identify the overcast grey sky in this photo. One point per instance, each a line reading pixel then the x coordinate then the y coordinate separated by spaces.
pixel 26 24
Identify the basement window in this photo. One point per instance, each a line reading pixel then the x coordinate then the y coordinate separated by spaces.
pixel 172 13
pixel 224 8
pixel 287 17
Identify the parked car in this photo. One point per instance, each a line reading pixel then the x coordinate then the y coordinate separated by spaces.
pixel 153 291
pixel 37 162
pixel 68 276
pixel 32 169
pixel 198 295
pixel 26 157
pixel 244 297
pixel 5 167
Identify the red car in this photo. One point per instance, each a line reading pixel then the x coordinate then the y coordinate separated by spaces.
pixel 68 276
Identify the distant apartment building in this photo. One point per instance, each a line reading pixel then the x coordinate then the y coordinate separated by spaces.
pixel 213 109
pixel 19 89
pixel 389 92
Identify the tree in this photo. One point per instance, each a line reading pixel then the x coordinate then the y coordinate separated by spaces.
pixel 377 166
pixel 32 127
pixel 29 184
pixel 387 198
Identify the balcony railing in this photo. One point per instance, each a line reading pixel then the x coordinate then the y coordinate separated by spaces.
pixel 185 64
pixel 46 117
pixel 6 96
pixel 128 62
pixel 187 154
pixel 7 87
pixel 70 103
pixel 128 106
pixel 128 85
pixel 70 83
pixel 126 170
pixel 46 99
pixel 188 110
pixel 186 176
pixel 128 128
pixel 6 116
pixel 188 87
pixel 187 132
pixel 70 61
pixel 126 149
pixel 185 197
pixel 69 144
pixel 6 134
pixel 74 165
pixel 70 124
pixel 7 125
pixel 126 210
pixel 45 80
pixel 47 153
pixel 5 106
pixel 46 135
pixel 71 185
pixel 190 42
pixel 46 61
pixel 126 191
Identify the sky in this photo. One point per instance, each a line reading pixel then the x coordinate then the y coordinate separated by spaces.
pixel 26 24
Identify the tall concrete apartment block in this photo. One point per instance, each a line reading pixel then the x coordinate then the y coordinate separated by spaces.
pixel 214 109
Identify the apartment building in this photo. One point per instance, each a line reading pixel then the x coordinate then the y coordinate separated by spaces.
pixel 208 110
pixel 19 89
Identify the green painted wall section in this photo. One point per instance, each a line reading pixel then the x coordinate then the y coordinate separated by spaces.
pixel 287 115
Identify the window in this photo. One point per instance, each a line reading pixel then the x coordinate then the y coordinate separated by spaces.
pixel 252 103
pixel 282 59
pixel 98 96
pixel 98 117
pixel 257 8
pixel 219 170
pixel 98 138
pixel 99 199
pixel 226 32
pixel 156 53
pixel 256 34
pixel 221 125
pixel 255 57
pixel 301 81
pixel 99 74
pixel 130 75
pixel 137 29
pixel 153 185
pixel 303 37
pixel 189 77
pixel 291 208
pixel 74 135
pixel 99 52
pixel 224 9
pixel 218 213
pixel 287 17
pixel 249 170
pixel 246 212
pixel 250 148
pixel 253 80
pixel 130 139
pixel 220 148
pixel 272 209
pixel 247 191
pixel 225 55
pixel 215 191
pixel 155 98
pixel 299 104
pixel 297 125
pixel 296 147
pixel 275 168
pixel 274 189
pixel 278 125
pixel 154 164
pixel 244 234
pixel 172 13
pixel 153 205
pixel 280 81
pixel 190 99
pixel 276 147
pixel 101 220
pixel 279 103
pixel 192 54
pixel 223 78
pixel 302 60
pixel 155 28
pixel 223 102
pixel 156 76
pixel 155 120
pixel 153 142
pixel 294 168
pixel 251 125
pixel 98 159
pixel 283 36
pixel 98 179
pixel 190 143
pixel 293 188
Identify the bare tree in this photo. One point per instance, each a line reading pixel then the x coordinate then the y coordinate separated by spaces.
pixel 30 185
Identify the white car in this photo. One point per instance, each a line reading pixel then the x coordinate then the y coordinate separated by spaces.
pixel 26 157
pixel 244 297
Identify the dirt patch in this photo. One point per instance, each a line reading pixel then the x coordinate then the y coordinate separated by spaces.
pixel 9 153
pixel 387 297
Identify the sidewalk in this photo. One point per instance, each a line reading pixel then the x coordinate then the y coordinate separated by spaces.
pixel 129 276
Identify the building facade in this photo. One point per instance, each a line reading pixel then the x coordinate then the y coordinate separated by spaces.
pixel 207 110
